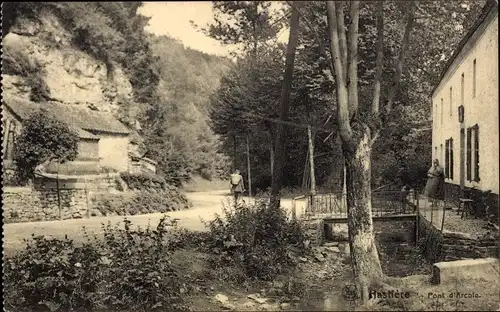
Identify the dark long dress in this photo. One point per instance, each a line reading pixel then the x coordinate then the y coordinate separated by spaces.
pixel 435 183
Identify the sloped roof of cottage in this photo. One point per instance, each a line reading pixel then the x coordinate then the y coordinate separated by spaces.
pixel 80 118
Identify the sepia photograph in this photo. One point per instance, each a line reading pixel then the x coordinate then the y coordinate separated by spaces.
pixel 250 156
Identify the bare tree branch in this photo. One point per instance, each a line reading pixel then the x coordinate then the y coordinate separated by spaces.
pixel 353 59
pixel 380 57
pixel 400 63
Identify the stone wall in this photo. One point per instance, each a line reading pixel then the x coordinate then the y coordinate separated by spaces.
pixel 451 246
pixel 43 201
pixel 315 231
pixel 25 204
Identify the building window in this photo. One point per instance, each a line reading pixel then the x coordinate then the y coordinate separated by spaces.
pixel 473 153
pixel 462 85
pixel 451 100
pixel 448 159
pixel 474 78
pixel 441 112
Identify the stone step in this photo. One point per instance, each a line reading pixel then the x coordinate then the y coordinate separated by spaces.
pixel 445 272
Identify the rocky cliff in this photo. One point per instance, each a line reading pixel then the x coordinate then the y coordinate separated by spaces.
pixel 42 63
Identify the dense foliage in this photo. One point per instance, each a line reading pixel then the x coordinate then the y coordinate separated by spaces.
pixel 127 270
pixel 144 181
pixel 258 241
pixel 402 151
pixel 43 139
pixel 177 135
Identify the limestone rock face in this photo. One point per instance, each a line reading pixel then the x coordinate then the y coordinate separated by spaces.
pixel 71 75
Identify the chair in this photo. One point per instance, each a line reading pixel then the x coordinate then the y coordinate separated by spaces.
pixel 465 205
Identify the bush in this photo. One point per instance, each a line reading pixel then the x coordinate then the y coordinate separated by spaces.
pixel 260 241
pixel 141 202
pixel 43 139
pixel 144 181
pixel 125 271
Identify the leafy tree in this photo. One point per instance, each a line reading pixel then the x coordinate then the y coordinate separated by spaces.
pixel 43 139
pixel 249 24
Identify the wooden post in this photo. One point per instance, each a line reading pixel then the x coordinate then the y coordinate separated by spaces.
pixel 432 214
pixel 271 152
pixel 234 153
pixel 417 225
pixel 87 198
pixel 344 187
pixel 311 160
pixel 249 170
pixel 442 220
pixel 58 194
pixel 6 137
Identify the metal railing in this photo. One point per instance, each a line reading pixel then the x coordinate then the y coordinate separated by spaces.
pixel 384 202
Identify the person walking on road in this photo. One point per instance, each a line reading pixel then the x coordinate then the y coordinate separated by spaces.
pixel 237 187
pixel 434 189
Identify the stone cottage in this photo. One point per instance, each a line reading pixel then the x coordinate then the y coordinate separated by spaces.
pixel 104 141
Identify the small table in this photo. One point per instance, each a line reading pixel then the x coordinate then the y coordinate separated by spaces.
pixel 465 205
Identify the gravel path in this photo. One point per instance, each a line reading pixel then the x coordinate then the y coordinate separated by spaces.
pixel 452 221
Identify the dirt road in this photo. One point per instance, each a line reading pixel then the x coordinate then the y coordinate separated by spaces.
pixel 205 206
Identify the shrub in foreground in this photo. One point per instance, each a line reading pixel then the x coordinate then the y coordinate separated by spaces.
pixel 140 202
pixel 127 270
pixel 261 241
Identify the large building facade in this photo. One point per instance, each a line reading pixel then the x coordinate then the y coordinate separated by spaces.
pixel 465 111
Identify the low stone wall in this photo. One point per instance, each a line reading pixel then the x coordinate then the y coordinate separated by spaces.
pixel 451 246
pixel 315 231
pixel 457 246
pixel 25 204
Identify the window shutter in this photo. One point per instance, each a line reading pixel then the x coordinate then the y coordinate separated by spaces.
pixel 447 159
pixel 476 153
pixel 468 158
pixel 451 158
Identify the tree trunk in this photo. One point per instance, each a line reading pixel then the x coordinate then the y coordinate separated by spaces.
pixel 311 160
pixel 364 256
pixel 356 148
pixel 285 107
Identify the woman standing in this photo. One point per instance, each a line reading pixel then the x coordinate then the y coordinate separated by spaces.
pixel 434 188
